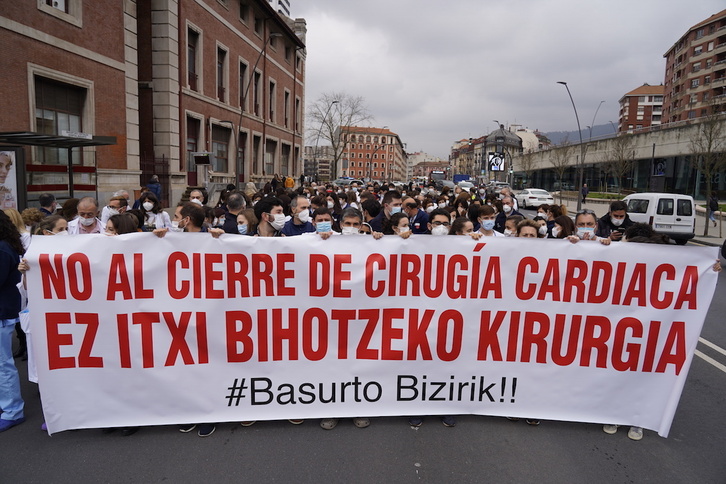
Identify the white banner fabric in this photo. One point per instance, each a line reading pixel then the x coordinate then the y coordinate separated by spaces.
pixel 135 330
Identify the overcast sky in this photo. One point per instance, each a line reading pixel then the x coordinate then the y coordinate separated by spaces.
pixel 438 71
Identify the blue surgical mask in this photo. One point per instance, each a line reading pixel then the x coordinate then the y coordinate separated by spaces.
pixel 581 231
pixel 488 224
pixel 242 229
pixel 324 227
pixel 395 210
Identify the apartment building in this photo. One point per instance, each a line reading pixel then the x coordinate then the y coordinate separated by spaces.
pixel 641 108
pixel 695 75
pixel 371 153
pixel 161 80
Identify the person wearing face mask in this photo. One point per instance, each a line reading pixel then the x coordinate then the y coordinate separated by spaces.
pixel 271 216
pixel 563 227
pixel 439 222
pixel 247 222
pixel 300 222
pixel 235 204
pixel 418 218
pixel 615 222
pixel 116 205
pixel 87 222
pixel 333 203
pixel 391 205
pixel 585 223
pixel 487 218
pixel 510 225
pixel 508 210
pixel 154 216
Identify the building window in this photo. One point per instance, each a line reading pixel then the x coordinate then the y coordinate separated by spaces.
pixel 699 33
pixel 243 84
pixel 698 50
pixel 220 148
pixel 288 54
pixel 256 93
pixel 244 11
pixel 193 125
pixel 258 25
pixel 58 108
pixel 658 99
pixel 298 115
pixel 286 108
pixel 694 82
pixel 66 10
pixel 221 74
pixel 193 59
pixel 272 104
pixel 707 80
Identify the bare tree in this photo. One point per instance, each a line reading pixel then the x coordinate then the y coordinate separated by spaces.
pixel 560 159
pixel 620 158
pixel 708 145
pixel 330 116
pixel 527 163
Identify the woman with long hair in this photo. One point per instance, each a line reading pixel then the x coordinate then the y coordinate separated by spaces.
pixel 11 403
pixel 154 216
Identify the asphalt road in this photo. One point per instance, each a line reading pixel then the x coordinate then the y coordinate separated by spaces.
pixel 478 449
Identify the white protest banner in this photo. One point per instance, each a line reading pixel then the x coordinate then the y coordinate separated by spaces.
pixel 136 330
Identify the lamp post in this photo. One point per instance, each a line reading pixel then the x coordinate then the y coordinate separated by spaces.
pixel 582 147
pixel 317 139
pixel 239 167
pixel 593 120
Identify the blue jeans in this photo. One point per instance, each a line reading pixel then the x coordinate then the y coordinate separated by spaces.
pixel 11 403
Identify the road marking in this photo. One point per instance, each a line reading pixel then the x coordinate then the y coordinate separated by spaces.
pixel 708 359
pixel 713 346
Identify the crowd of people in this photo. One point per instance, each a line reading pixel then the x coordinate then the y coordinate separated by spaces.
pixel 280 210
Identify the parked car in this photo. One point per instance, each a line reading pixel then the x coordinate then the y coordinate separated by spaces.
pixel 668 213
pixel 466 185
pixel 534 197
pixel 495 187
pixel 347 181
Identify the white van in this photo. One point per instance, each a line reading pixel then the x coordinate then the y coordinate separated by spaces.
pixel 668 213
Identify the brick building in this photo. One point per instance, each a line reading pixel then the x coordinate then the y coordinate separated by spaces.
pixel 641 108
pixel 165 78
pixel 695 73
pixel 371 154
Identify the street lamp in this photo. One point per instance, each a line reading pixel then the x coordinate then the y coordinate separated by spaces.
pixel 593 120
pixel 239 167
pixel 317 139
pixel 582 147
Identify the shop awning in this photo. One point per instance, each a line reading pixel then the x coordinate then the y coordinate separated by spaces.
pixel 54 141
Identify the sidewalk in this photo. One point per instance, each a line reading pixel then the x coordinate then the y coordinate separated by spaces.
pixel 716 235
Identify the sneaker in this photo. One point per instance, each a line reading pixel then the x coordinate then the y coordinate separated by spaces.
pixel 247 423
pixel 415 421
pixel 635 433
pixel 295 421
pixel 205 430
pixel 448 421
pixel 187 428
pixel 8 424
pixel 328 423
pixel 610 429
pixel 361 422
pixel 532 421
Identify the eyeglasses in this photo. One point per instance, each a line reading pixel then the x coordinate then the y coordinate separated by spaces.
pixel 585 211
pixel 445 224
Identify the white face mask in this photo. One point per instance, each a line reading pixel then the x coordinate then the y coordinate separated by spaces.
pixel 507 208
pixel 429 209
pixel 330 204
pixel 507 233
pixel 87 222
pixel 62 232
pixel 112 212
pixel 555 232
pixel 349 231
pixel 304 216
pixel 442 205
pixel 543 215
pixel 439 230
pixel 148 206
pixel 617 221
pixel 197 201
pixel 543 230
pixel 581 231
pixel 279 221
pixel 175 226
pixel 403 230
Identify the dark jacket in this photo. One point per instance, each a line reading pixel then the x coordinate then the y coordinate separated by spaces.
pixel 9 278
pixel 605 225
